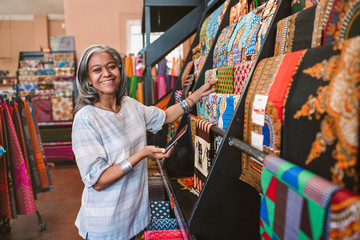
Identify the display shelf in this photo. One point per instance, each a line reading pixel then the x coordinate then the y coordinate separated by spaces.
pixel 55 123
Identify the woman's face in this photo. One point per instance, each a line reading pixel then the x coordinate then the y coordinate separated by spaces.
pixel 104 74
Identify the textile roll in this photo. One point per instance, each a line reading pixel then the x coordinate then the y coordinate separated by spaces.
pixel 344 216
pixel 156 189
pixel 226 108
pixel 140 90
pixel 62 108
pixel 128 62
pixel 161 86
pixel 162 67
pixel 154 88
pixel 35 141
pixel 153 71
pixel 220 53
pixel 163 235
pixel 25 202
pixel 159 209
pixel 225 80
pixel 322 115
pixel 300 5
pixel 133 86
pixel 138 67
pixel 186 182
pixel 241 73
pixel 294 202
pixel 203 153
pixel 5 209
pixel 295 32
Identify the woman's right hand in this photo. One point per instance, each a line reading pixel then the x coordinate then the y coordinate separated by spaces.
pixel 158 153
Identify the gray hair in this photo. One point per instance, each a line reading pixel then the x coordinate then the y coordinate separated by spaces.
pixel 87 94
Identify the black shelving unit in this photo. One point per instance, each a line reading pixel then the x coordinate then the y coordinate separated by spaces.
pixel 226 208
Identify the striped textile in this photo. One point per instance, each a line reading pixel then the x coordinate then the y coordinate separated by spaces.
pixel 101 139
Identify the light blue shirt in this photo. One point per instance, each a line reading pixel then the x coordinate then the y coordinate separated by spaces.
pixel 101 139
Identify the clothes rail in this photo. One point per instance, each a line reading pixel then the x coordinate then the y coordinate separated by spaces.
pixel 249 150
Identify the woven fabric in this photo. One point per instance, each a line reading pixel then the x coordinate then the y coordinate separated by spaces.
pixel 25 202
pixel 322 116
pixel 294 201
pixel 61 108
pixel 163 224
pixel 241 74
pixel 344 216
pixel 163 235
pixel 295 32
pixel 226 107
pixel 35 141
pixel 159 209
pixel 300 5
pixel 43 109
pixel 156 189
pixel 220 53
pixel 225 80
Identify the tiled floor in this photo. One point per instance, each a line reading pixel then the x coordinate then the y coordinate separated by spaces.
pixel 58 209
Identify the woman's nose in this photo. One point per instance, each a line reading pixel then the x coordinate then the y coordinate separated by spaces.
pixel 106 72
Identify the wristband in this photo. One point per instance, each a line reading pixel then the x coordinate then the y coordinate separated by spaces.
pixel 183 104
pixel 126 167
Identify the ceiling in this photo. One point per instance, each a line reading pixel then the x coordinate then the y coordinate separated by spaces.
pixel 19 7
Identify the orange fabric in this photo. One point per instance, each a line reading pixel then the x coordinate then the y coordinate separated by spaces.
pixel 162 104
pixel 129 67
pixel 37 149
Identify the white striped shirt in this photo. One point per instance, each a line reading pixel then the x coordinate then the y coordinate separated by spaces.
pixel 101 139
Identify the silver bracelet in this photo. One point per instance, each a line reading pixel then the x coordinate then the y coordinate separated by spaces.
pixel 126 167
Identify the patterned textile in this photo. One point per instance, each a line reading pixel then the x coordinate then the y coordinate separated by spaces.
pixel 213 22
pixel 196 51
pixel 201 111
pixel 322 114
pixel 163 235
pixel 210 75
pixel 344 216
pixel 162 70
pixel 156 189
pixel 212 107
pixel 178 97
pixel 227 105
pixel 64 89
pixel 163 224
pixel 241 73
pixel 220 53
pixel 27 87
pixel 44 94
pixel 295 32
pixel 203 152
pixel 299 5
pixel 251 39
pixel 238 11
pixel 161 86
pixel 225 80
pixel 159 209
pixel 198 65
pixel 294 201
pixel 61 108
pixel 187 182
pixel 25 202
pixel 186 72
pixel 192 123
pixel 203 30
pixel 35 141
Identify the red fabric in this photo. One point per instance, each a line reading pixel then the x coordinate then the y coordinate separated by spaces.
pixel 163 234
pixel 43 109
pixel 271 191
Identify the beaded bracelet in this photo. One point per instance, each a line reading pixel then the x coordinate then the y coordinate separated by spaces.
pixel 126 167
pixel 184 105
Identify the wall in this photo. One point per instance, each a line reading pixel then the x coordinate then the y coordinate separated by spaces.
pixel 29 34
pixel 100 22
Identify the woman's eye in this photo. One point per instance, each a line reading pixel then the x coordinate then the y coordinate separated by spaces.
pixel 112 66
pixel 97 70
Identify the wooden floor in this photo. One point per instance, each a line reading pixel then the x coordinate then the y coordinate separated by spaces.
pixel 58 209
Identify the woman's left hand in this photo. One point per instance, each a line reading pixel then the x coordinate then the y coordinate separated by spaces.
pixel 205 89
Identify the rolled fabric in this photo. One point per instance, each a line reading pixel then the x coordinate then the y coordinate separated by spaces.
pixel 140 90
pixel 161 86
pixel 162 67
pixel 129 67
pixel 138 67
pixel 133 86
pixel 153 71
pixel 154 89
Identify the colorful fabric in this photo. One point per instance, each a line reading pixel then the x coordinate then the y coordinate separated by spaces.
pixel 227 105
pixel 212 107
pixel 225 80
pixel 344 216
pixel 213 22
pixel 187 86
pixel 251 39
pixel 241 75
pixel 163 224
pixel 163 235
pixel 178 97
pixel 192 123
pixel 61 108
pixel 27 87
pixel 295 32
pixel 322 114
pixel 203 30
pixel 25 202
pixel 210 75
pixel 186 72
pixel 187 182
pixel 196 51
pixel 220 53
pixel 35 141
pixel 159 209
pixel 129 70
pixel 294 201
pixel 300 5
pixel 238 11
pixel 198 65
pixel 201 111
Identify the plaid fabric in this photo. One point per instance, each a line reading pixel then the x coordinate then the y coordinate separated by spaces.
pixel 294 203
pixel 225 82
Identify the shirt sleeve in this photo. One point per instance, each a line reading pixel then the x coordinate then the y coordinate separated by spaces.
pixel 90 155
pixel 154 118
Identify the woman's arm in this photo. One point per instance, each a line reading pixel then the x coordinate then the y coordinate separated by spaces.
pixel 115 172
pixel 175 111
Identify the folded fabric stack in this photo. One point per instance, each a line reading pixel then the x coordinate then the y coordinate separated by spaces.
pixel 163 234
pixel 160 216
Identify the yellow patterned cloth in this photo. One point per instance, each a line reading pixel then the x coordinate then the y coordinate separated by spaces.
pixel 62 108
